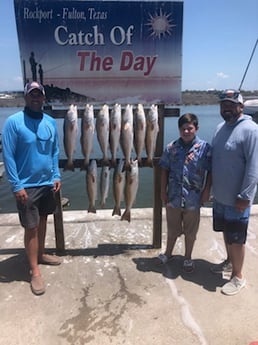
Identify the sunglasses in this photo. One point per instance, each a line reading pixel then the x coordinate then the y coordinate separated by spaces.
pixel 229 94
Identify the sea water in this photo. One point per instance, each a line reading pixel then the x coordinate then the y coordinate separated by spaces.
pixel 74 183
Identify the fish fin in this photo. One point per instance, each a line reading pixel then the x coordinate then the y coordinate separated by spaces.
pixel 126 215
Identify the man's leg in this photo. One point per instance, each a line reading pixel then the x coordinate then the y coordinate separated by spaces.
pixel 191 220
pixel 31 248
pixel 237 254
pixel 174 225
pixel 228 259
pixel 189 244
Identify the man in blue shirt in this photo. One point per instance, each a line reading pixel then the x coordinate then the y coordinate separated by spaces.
pixel 234 180
pixel 30 153
pixel 185 166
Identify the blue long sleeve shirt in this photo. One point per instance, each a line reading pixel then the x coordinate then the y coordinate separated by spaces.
pixel 235 161
pixel 30 151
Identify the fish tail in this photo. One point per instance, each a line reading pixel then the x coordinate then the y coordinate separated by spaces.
pixel 113 162
pixel 149 162
pixel 127 165
pixel 126 215
pixel 69 166
pixel 105 162
pixel 139 158
pixel 92 209
pixel 116 211
pixel 85 164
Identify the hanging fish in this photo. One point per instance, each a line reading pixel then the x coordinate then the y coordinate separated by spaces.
pixel 70 135
pixel 115 131
pixel 118 187
pixel 87 133
pixel 152 129
pixel 131 188
pixel 139 132
pixel 126 139
pixel 104 185
pixel 102 128
pixel 91 185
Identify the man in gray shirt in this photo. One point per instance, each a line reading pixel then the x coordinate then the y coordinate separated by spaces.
pixel 234 180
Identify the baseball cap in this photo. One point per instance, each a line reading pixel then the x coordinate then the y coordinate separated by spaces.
pixel 232 96
pixel 32 86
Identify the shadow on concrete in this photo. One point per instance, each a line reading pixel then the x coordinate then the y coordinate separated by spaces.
pixel 173 269
pixel 14 268
pixel 107 249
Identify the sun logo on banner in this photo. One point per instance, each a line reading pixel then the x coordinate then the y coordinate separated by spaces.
pixel 160 24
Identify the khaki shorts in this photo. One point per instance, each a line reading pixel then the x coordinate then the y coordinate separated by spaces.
pixel 183 221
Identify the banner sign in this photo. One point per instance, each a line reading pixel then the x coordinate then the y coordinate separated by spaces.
pixel 112 51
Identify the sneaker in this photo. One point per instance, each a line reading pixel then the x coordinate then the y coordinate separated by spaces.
pixel 188 266
pixel 163 258
pixel 233 286
pixel 223 267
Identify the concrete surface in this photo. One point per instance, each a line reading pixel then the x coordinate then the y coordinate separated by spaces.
pixel 109 290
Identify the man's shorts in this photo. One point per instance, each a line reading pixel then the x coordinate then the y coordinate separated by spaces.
pixel 182 221
pixel 232 222
pixel 41 202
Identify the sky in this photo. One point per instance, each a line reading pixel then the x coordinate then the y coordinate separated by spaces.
pixel 218 39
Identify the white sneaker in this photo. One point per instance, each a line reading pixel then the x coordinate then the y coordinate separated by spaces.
pixel 223 267
pixel 233 286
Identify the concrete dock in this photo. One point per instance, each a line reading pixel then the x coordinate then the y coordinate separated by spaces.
pixel 109 289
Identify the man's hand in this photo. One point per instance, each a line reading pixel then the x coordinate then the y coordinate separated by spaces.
pixel 21 196
pixel 57 186
pixel 241 204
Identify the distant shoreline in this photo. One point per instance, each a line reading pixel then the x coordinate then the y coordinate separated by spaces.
pixel 188 98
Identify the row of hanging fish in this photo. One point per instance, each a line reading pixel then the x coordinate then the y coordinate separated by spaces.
pixel 125 187
pixel 129 130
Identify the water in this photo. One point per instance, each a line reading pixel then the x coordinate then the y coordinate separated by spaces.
pixel 73 183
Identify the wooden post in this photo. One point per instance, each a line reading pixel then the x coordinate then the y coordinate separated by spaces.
pixel 157 207
pixel 58 222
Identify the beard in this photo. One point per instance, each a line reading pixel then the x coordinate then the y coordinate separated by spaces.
pixel 230 116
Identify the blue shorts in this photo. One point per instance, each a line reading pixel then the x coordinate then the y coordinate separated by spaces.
pixel 231 222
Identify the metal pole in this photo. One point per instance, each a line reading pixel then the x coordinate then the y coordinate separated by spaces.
pixel 247 67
